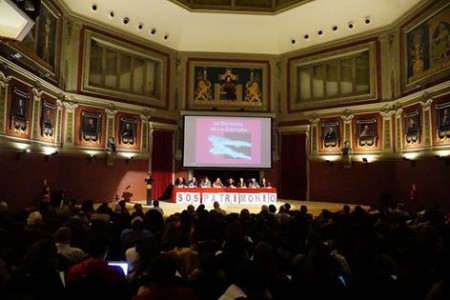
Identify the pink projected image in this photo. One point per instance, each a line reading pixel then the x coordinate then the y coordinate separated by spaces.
pixel 225 141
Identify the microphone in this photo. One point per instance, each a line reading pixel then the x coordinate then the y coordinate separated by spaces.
pixel 127 187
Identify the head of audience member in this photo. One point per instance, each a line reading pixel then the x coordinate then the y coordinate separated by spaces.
pixel 303 209
pixel 137 224
pixel 3 206
pixel 190 209
pixel 287 206
pixel 163 268
pixel 35 219
pixel 272 209
pixel 99 246
pixel 252 279
pixel 264 208
pixel 63 235
pixel 244 214
pixel 138 208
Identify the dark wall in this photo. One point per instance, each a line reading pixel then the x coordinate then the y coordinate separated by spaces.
pixel 432 179
pixel 21 180
pixel 383 181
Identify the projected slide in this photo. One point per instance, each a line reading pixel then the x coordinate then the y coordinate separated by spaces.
pixel 227 142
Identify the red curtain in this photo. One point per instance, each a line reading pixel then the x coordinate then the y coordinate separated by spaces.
pixel 162 163
pixel 293 183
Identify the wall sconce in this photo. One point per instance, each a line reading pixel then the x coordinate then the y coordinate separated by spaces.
pixel 47 157
pixel 411 162
pixel 91 157
pixel 365 160
pixel 20 153
pixel 446 158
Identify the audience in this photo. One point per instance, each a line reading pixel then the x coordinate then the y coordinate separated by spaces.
pixel 280 252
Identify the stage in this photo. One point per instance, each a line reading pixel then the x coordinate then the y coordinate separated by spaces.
pixel 314 207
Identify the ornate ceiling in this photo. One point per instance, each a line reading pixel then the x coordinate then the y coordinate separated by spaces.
pixel 235 26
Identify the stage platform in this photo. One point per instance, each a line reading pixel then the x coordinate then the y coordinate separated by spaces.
pixel 314 207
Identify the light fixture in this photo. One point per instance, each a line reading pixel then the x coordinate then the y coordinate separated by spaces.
pixel 365 160
pixel 411 161
pixel 20 153
pixel 91 157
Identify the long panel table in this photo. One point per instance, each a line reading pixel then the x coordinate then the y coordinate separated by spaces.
pixel 247 196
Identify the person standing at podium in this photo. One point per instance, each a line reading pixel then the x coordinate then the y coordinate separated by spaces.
pixel 149 181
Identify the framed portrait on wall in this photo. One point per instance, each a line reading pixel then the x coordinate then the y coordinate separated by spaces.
pixel 127 131
pixel 366 135
pixel 90 127
pixel 20 102
pixel 330 134
pixel 228 85
pixel 48 117
pixel 426 48
pixel 443 122
pixel 412 128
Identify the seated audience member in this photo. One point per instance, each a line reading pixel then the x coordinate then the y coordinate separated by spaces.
pixel 130 236
pixel 63 237
pixel 157 207
pixel 250 283
pixel 218 209
pixel 93 278
pixel 164 282
pixel 37 276
pixel 138 259
pixel 138 211
pixel 253 184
